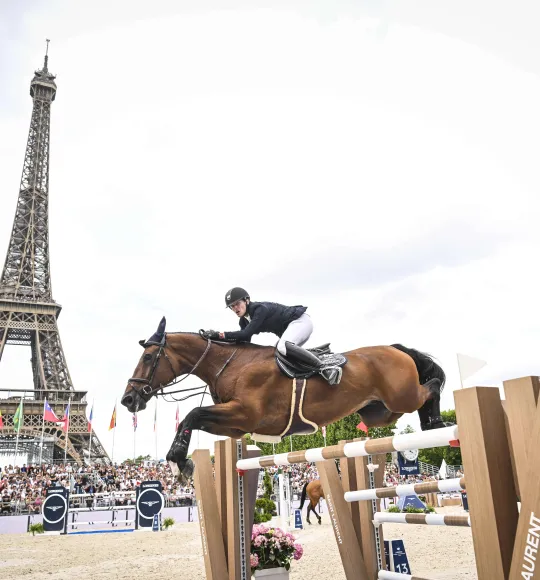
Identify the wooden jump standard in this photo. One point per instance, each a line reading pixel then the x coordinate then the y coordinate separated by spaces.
pixel 493 441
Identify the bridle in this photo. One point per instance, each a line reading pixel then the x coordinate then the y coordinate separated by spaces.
pixel 148 390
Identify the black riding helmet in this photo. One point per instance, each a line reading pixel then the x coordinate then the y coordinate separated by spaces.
pixel 235 294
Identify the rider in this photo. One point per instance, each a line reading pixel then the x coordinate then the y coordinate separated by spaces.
pixel 291 323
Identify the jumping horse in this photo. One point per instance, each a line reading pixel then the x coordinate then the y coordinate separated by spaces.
pixel 252 395
pixel 313 490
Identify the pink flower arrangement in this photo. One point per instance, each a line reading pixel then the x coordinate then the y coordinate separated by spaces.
pixel 273 548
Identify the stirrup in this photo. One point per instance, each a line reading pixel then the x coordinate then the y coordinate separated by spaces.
pixel 332 375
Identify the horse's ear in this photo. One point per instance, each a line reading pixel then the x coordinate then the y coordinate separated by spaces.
pixel 159 336
pixel 161 327
pixel 142 343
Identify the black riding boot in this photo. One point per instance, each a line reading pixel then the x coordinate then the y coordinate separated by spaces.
pixel 302 355
pixel 312 362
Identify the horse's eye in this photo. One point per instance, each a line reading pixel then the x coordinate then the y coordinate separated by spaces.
pixel 147 357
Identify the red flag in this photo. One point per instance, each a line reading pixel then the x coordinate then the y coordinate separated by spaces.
pixel 49 414
pixel 112 424
pixel 1 421
pixel 177 418
pixel 90 418
pixel 65 420
pixel 362 426
pixel 323 429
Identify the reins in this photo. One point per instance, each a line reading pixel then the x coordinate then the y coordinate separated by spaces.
pixel 155 390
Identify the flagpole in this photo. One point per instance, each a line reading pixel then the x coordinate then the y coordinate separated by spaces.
pixel 67 418
pixel 21 415
pixel 459 369
pixel 42 432
pixel 114 433
pixel 112 454
pixel 155 429
pixel 90 442
pixel 134 431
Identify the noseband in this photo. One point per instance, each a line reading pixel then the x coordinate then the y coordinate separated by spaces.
pixel 148 390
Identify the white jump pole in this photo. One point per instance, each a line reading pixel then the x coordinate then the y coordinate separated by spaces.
pixel 443 486
pixel 386 575
pixel 426 519
pixel 404 442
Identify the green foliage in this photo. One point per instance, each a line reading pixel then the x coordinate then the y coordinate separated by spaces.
pixel 452 455
pixel 167 523
pixel 267 482
pixel 36 529
pixel 259 518
pixel 393 509
pixel 137 461
pixel 346 429
pixel 343 429
pixel 264 510
pixel 413 510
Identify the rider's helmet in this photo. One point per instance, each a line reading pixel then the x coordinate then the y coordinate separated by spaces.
pixel 235 294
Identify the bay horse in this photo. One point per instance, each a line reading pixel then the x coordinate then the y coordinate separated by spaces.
pixel 313 490
pixel 251 395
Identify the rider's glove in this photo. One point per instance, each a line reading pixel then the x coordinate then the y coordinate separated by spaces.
pixel 211 334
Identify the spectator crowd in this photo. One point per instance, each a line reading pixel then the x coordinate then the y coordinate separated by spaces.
pixel 23 489
pixel 302 473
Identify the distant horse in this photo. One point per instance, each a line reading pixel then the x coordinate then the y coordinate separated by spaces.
pixel 313 490
pixel 251 395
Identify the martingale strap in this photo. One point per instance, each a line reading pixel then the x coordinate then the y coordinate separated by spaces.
pixel 298 424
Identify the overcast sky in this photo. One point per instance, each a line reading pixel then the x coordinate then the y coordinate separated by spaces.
pixel 375 162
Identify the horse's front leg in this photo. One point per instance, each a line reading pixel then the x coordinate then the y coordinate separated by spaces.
pixel 228 420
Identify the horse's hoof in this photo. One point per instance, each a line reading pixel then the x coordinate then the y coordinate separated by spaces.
pixel 182 469
pixel 175 469
pixel 187 470
pixel 319 522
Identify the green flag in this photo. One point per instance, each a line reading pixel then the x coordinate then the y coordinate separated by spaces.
pixel 18 418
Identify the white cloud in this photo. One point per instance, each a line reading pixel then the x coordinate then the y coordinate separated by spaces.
pixel 192 151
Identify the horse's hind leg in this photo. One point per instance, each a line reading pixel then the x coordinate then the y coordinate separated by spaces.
pixel 310 508
pixel 313 507
pixel 430 411
pixel 307 513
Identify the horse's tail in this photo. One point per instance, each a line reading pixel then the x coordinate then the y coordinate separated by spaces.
pixel 303 496
pixel 425 365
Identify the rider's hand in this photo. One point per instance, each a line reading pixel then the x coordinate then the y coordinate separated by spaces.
pixel 211 334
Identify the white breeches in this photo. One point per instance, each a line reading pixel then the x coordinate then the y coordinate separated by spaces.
pixel 298 332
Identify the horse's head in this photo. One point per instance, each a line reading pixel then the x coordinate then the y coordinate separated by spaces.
pixel 153 372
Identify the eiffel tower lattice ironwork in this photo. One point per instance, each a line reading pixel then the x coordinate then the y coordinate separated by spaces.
pixel 28 313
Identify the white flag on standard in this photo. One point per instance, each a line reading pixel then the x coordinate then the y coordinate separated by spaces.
pixel 443 470
pixel 468 366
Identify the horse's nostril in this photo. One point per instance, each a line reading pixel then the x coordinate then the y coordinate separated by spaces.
pixel 127 400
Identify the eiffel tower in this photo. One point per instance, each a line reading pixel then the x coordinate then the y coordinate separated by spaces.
pixel 28 313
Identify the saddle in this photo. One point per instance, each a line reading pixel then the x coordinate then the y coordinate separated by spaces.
pixel 330 367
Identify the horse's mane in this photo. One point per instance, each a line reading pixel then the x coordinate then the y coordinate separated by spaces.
pixel 244 345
